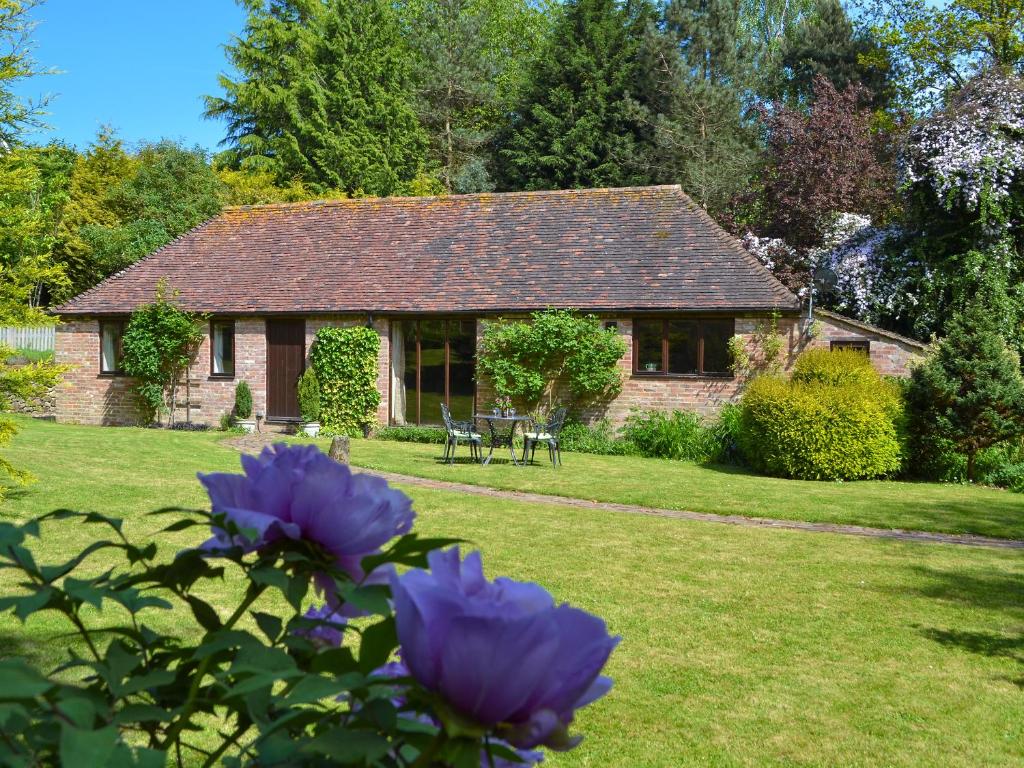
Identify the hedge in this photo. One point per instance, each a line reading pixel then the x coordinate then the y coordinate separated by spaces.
pixel 345 361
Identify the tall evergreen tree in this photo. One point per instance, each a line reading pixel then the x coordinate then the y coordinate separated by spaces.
pixel 455 74
pixel 323 96
pixel 825 43
pixel 969 393
pixel 694 75
pixel 576 125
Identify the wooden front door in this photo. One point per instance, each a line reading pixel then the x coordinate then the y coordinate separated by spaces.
pixel 286 355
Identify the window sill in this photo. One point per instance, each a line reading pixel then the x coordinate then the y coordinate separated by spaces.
pixel 221 376
pixel 688 376
pixel 112 375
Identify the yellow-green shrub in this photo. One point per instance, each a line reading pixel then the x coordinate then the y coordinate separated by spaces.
pixel 811 428
pixel 837 367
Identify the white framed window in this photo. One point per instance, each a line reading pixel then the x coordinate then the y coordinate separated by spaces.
pixel 111 332
pixel 222 348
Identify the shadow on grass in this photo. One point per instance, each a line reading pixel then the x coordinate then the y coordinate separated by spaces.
pixel 993 591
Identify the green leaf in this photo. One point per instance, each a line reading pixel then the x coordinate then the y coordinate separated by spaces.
pixel 20 681
pixel 409 550
pixel 141 713
pixel 373 599
pixel 313 688
pixel 378 642
pixel 84 591
pixel 183 524
pixel 337 661
pixel 269 625
pixel 349 746
pixel 204 613
pixel 84 747
pixel 152 679
pixel 27 605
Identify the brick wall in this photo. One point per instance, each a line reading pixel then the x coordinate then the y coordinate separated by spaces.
pixel 889 355
pixel 84 396
pixel 87 397
pixel 706 395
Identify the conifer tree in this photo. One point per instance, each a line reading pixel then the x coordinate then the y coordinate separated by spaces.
pixel 825 43
pixel 695 72
pixel 323 96
pixel 455 75
pixel 969 393
pixel 577 124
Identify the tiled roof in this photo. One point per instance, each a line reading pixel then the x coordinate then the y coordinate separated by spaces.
pixel 643 248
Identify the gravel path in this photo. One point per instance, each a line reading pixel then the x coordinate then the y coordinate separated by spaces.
pixel 255 443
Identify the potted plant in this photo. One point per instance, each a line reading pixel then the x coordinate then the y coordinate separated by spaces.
pixel 502 404
pixel 243 407
pixel 309 402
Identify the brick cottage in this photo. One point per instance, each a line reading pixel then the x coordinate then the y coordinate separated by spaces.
pixel 425 273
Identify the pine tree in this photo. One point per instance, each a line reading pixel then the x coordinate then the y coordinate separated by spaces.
pixel 323 96
pixel 969 393
pixel 455 76
pixel 577 124
pixel 825 43
pixel 694 75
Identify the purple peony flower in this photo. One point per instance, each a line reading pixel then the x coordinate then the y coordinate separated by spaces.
pixel 500 654
pixel 327 634
pixel 297 492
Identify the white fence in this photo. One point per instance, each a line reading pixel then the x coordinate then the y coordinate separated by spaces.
pixel 40 338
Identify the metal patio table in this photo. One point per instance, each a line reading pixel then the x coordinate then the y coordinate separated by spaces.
pixel 503 433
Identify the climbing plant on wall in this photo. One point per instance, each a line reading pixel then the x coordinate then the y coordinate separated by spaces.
pixel 528 360
pixel 345 361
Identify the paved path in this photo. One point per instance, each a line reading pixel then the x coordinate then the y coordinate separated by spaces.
pixel 253 443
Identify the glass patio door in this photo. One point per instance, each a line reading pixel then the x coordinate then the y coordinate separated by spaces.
pixel 433 362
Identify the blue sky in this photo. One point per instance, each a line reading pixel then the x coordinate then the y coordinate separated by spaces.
pixel 141 66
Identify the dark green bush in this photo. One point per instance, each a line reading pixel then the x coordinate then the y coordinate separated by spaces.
pixel 597 439
pixel 679 435
pixel 243 400
pixel 814 430
pixel 412 434
pixel 726 434
pixel 309 396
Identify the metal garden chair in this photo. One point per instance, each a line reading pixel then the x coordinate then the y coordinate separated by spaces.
pixel 548 433
pixel 460 430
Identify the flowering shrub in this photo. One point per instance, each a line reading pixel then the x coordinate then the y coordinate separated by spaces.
pixel 972 153
pixel 485 673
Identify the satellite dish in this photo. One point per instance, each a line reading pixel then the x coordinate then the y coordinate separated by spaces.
pixel 825 279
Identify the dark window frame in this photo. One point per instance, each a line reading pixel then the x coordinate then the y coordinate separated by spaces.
pixel 214 321
pixel 858 344
pixel 663 372
pixel 121 322
pixel 446 319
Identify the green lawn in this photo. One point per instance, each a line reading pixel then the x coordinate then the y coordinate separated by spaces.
pixel 720 489
pixel 741 647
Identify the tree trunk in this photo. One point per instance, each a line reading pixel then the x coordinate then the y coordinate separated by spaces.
pixel 339 449
pixel 972 456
